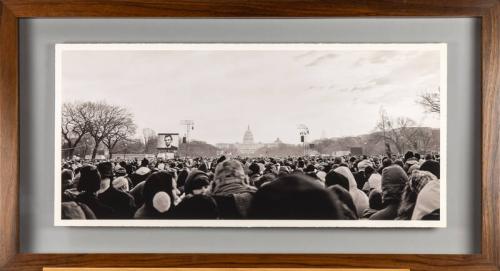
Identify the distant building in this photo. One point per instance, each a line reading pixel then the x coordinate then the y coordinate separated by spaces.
pixel 248 145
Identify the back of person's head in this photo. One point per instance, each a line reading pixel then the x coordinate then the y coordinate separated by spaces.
pixel 294 197
pixel 229 169
pixel 375 199
pixel 310 168
pixel 121 171
pixel 90 180
pixel 399 163
pixel 417 156
pixel 181 178
pixel 334 178
pixel 338 160
pixel 386 161
pixel 144 162
pixel 394 180
pixel 105 169
pixel 265 179
pixel 123 164
pixel 196 180
pixel 301 164
pixel 345 197
pixel 121 184
pixel 254 168
pixel 203 167
pixel 432 167
pixel 158 192
pixel 428 157
pixel 408 155
pixel 369 171
pixel 66 175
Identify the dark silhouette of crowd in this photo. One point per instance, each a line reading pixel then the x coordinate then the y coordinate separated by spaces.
pixel 332 188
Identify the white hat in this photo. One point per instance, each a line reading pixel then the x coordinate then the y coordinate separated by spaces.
pixel 161 202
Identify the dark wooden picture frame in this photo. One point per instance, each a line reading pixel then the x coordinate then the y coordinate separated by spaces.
pixel 488 11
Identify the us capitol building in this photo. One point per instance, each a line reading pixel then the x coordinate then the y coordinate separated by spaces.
pixel 248 146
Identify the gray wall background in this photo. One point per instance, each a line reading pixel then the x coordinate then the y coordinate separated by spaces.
pixel 38 235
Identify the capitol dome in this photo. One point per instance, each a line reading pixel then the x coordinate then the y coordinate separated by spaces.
pixel 248 137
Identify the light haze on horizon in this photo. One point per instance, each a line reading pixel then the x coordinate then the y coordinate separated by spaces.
pixel 334 93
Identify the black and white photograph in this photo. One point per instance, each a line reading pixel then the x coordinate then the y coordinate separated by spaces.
pixel 250 135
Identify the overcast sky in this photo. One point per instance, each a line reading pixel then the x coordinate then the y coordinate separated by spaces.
pixel 333 92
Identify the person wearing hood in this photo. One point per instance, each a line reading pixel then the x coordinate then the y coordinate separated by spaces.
pixel 394 180
pixel 359 198
pixel 230 180
pixel 347 205
pixel 427 205
pixel 417 180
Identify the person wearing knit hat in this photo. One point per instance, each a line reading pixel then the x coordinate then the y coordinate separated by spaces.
pixel 196 204
pixel 159 196
pixel 141 174
pixel 295 197
pixel 416 182
pixel 121 184
pixel 408 155
pixel 88 185
pixel 197 183
pixel 122 172
pixel 432 167
pixel 394 180
pixel 359 198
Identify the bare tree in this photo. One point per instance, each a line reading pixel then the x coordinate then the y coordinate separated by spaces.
pixel 408 132
pixel 107 120
pixel 120 133
pixel 75 124
pixel 399 132
pixel 430 101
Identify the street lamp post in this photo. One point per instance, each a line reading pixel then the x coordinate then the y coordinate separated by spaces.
pixel 87 142
pixel 189 126
pixel 125 152
pixel 303 132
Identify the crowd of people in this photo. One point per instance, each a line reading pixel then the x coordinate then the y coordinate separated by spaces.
pixel 334 188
